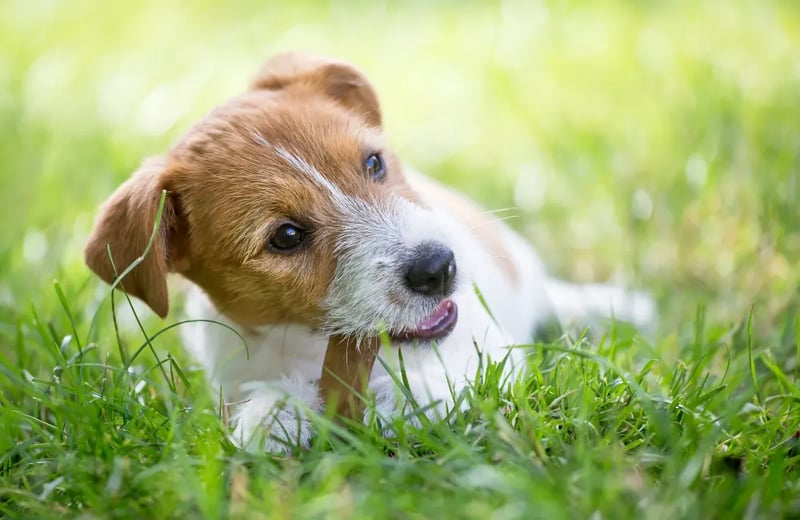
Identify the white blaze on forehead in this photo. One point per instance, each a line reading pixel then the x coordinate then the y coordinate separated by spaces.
pixel 303 166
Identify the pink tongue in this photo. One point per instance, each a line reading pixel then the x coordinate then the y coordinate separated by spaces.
pixel 436 318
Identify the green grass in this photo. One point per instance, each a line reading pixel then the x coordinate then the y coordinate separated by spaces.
pixel 652 142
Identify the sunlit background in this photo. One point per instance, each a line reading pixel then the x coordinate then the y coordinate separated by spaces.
pixel 652 143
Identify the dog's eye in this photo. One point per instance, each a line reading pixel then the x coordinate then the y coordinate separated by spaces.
pixel 287 238
pixel 375 166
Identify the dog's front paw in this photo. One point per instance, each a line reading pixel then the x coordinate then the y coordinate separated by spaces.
pixel 275 420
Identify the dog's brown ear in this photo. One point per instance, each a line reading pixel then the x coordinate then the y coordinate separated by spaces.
pixel 125 225
pixel 337 79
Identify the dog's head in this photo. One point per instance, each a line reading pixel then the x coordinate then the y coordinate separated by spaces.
pixel 286 206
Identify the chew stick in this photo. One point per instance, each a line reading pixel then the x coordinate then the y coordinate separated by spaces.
pixel 345 374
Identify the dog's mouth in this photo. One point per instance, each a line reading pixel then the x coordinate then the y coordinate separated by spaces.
pixel 436 326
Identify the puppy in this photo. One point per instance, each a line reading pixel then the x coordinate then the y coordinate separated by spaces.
pixel 294 220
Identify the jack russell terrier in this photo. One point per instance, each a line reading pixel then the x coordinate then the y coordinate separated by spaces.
pixel 294 221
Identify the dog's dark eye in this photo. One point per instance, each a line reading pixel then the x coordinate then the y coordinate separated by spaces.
pixel 376 168
pixel 287 238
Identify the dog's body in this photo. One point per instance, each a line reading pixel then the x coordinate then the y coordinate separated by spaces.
pixel 295 222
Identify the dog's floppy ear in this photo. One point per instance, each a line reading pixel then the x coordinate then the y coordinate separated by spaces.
pixel 125 225
pixel 337 79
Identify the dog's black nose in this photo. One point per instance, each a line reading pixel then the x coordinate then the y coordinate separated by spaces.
pixel 432 270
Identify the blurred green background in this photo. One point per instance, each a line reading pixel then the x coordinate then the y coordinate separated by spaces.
pixel 654 143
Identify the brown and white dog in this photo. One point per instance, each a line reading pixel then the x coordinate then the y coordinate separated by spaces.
pixel 294 220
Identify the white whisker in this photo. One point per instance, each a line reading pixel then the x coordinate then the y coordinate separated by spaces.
pixel 494 221
pixel 490 211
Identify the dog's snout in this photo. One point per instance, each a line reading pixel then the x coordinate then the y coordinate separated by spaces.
pixel 432 270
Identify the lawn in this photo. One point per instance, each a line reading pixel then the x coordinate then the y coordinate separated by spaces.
pixel 652 143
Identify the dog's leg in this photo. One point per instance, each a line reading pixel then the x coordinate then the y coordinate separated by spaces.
pixel 580 305
pixel 273 417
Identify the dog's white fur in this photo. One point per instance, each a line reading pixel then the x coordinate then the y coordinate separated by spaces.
pixel 272 391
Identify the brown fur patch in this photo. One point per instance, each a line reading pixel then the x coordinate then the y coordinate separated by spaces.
pixel 124 227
